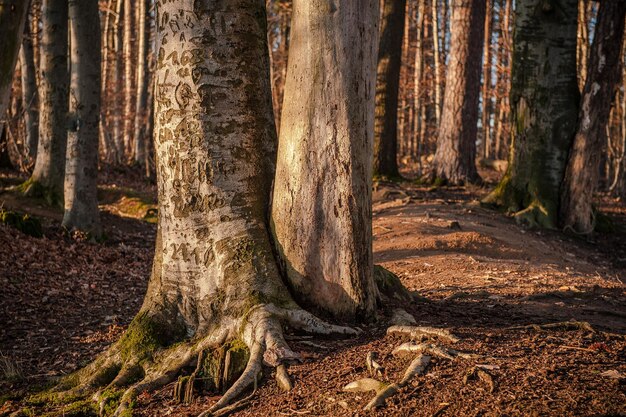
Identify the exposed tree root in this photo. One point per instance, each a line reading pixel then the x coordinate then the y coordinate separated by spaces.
pixel 138 362
pixel 434 350
pixel 383 390
pixel 564 325
pixel 417 332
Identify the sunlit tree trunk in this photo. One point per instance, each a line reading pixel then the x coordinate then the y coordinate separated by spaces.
pixel 321 211
pixel 12 17
pixel 544 104
pixel 486 87
pixel 129 79
pixel 437 62
pixel 388 80
pixel 30 98
pixel 215 286
pixel 603 76
pixel 454 160
pixel 81 169
pixel 117 79
pixel 49 173
pixel 143 78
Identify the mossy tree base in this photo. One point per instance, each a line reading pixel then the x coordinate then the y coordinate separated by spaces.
pixel 34 189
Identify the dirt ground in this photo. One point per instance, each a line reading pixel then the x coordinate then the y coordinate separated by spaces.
pixel 480 275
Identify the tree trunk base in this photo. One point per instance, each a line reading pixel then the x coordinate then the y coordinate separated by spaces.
pixel 34 189
pixel 148 357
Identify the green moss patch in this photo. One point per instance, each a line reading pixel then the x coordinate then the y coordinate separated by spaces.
pixel 25 223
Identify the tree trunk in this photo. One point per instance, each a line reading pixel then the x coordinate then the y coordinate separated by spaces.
pixel 544 105
pixel 454 161
pixel 387 84
pixel 81 170
pixel 321 210
pixel 604 70
pixel 215 286
pixel 129 59
pixel 49 173
pixel 437 63
pixel 143 78
pixel 117 77
pixel 486 88
pixel 417 86
pixel 30 98
pixel 12 17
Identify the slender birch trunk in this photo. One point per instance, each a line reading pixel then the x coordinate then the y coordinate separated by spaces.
pixel 143 77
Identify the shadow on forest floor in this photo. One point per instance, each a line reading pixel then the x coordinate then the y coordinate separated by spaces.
pixel 64 301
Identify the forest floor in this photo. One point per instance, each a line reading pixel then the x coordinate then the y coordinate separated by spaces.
pixel 64 300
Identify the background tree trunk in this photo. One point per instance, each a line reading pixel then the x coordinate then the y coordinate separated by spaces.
pixel 604 71
pixel 143 78
pixel 81 169
pixel 486 87
pixel 49 173
pixel 544 102
pixel 12 17
pixel 387 84
pixel 129 79
pixel 321 212
pixel 437 62
pixel 454 160
pixel 30 98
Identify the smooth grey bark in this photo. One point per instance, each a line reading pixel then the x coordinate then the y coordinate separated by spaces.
pixel 12 17
pixel 214 279
pixel 455 158
pixel 117 77
pixel 81 169
pixel 30 97
pixel 49 173
pixel 387 86
pixel 143 83
pixel 544 106
pixel 321 209
pixel 603 75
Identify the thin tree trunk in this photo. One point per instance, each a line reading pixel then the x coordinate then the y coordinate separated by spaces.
pixel 321 211
pixel 81 170
pixel 387 85
pixel 582 55
pixel 455 159
pixel 106 139
pixel 581 175
pixel 143 75
pixel 30 98
pixel 417 85
pixel 544 102
pixel 129 79
pixel 117 102
pixel 49 173
pixel 12 18
pixel 486 89
pixel 437 67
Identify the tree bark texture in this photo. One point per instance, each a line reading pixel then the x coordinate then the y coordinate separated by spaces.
pixel 81 170
pixel 129 79
pixel 12 17
pixel 321 211
pixel 30 97
pixel 455 158
pixel 49 172
pixel 387 86
pixel 544 106
pixel 214 279
pixel 603 76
